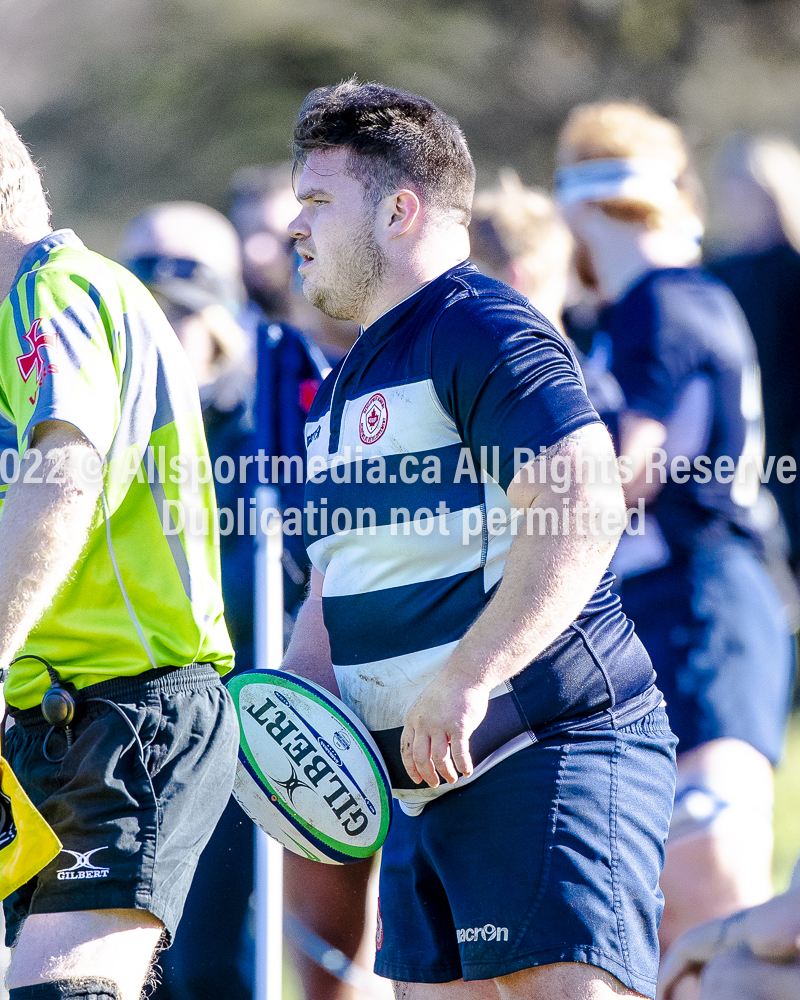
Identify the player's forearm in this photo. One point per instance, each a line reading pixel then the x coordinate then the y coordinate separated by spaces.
pixel 309 652
pixel 548 579
pixel 43 530
pixel 640 436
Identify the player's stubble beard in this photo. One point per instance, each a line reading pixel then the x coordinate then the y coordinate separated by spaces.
pixel 356 275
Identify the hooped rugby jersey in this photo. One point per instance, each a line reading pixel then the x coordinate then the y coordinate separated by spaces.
pixel 683 354
pixel 82 341
pixel 411 445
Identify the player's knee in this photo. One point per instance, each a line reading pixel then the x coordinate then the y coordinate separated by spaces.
pixel 68 989
pixel 712 804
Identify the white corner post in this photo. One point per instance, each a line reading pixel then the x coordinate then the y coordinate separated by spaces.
pixel 268 655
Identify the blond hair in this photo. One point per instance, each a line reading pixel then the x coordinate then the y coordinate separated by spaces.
pixel 511 222
pixel 22 201
pixel 620 130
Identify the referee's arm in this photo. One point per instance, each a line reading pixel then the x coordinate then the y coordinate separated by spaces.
pixel 547 581
pixel 47 513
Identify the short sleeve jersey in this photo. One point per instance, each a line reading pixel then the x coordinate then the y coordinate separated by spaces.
pixel 82 341
pixel 412 442
pixel 683 354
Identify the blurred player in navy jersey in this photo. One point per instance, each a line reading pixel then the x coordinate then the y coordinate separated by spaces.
pixel 189 256
pixel 692 581
pixel 757 197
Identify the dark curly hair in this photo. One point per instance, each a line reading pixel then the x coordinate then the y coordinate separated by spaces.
pixel 395 139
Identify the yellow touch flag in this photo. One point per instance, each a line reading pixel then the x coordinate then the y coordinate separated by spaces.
pixel 27 843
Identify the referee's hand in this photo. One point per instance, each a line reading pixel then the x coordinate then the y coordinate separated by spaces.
pixel 435 738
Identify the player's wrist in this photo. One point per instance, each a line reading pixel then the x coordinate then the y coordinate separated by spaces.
pixel 467 675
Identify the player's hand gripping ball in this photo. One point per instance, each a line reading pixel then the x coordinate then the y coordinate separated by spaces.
pixel 309 774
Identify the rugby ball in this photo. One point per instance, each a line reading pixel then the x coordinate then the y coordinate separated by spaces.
pixel 309 773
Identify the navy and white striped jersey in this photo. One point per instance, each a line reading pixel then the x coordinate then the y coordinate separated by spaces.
pixel 412 441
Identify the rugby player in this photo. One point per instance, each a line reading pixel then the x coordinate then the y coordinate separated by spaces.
pixel 757 193
pixel 692 580
pixel 501 664
pixel 105 598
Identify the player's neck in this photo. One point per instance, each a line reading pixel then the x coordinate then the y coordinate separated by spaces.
pixel 626 254
pixel 13 247
pixel 408 271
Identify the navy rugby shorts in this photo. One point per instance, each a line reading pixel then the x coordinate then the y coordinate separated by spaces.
pixel 717 634
pixel 554 855
pixel 132 825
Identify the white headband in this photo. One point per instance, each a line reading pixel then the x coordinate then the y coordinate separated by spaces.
pixel 639 179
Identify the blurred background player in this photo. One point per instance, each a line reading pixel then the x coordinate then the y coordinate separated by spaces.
pixel 189 255
pixel 262 204
pixel 756 199
pixel 517 236
pixel 692 582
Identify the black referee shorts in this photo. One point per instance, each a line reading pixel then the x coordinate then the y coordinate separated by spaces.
pixel 133 815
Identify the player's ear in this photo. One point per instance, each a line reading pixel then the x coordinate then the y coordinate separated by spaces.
pixel 402 210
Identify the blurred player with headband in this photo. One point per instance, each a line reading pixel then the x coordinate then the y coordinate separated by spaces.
pixel 692 582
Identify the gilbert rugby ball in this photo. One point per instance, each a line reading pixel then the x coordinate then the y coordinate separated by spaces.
pixel 309 774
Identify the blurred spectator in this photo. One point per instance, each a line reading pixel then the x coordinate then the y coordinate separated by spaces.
pixel 691 578
pixel 189 257
pixel 757 194
pixel 262 204
pixel 517 235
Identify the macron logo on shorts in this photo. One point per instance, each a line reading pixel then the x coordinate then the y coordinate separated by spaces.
pixel 486 933
pixel 83 867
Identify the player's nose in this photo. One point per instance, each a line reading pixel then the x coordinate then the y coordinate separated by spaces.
pixel 299 228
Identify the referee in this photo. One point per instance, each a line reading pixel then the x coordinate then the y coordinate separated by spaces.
pixel 110 607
